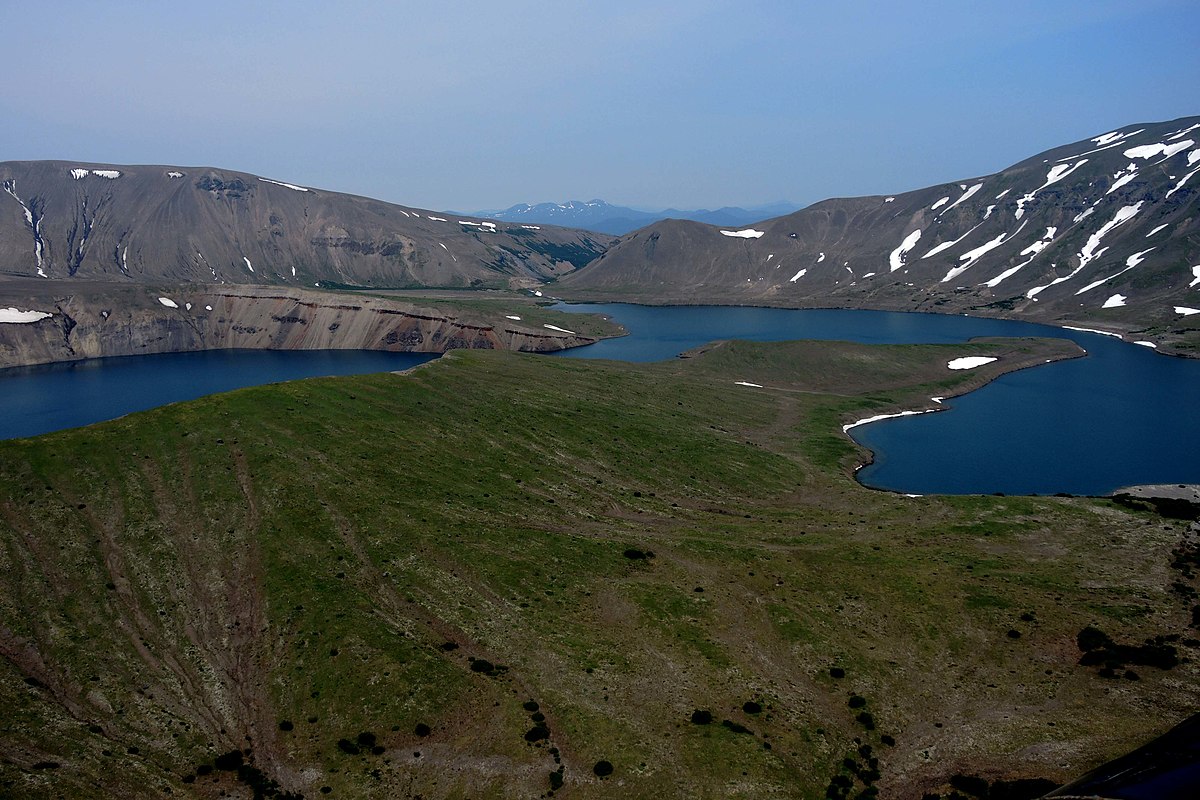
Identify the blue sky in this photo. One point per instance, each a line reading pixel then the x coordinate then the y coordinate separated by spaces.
pixel 472 105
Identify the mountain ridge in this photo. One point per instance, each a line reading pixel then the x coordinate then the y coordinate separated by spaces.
pixel 1105 232
pixel 148 223
pixel 603 217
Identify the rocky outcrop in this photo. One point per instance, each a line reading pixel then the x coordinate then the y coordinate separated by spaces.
pixel 121 321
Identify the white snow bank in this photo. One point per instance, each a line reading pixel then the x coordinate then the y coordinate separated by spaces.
pixel 970 362
pixel 1182 181
pixel 939 204
pixel 889 199
pixel 532 227
pixel 1151 345
pixel 749 233
pixel 797 276
pixel 284 185
pixel 896 259
pixel 1196 279
pixel 438 219
pixel 1056 174
pixel 512 316
pixel 111 174
pixel 168 302
pixel 1162 148
pixel 1092 330
pixel 561 330
pixel 747 383
pixel 1156 230
pixel 16 315
pixel 249 266
pixel 879 417
pixel 1182 310
pixel 173 174
pixel 1116 301
pixel 79 174
pixel 966 196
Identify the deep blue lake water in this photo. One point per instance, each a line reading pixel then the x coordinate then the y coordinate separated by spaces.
pixel 1123 415
pixel 56 396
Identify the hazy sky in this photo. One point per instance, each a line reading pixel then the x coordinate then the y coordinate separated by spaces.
pixel 470 105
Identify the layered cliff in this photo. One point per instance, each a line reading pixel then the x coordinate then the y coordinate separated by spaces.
pixel 91 321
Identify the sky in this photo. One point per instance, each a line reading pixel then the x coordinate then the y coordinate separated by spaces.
pixel 684 104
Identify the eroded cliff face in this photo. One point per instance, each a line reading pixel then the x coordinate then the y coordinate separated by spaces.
pixel 138 321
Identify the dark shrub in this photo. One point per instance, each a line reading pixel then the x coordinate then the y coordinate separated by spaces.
pixel 228 761
pixel 366 739
pixel 866 720
pixel 531 705
pixel 422 729
pixel 537 733
pixel 837 672
pixel 700 717
pixel 735 727
pixel 603 768
pixel 751 707
pixel 286 725
pixel 856 701
pixel 348 747
pixel 970 784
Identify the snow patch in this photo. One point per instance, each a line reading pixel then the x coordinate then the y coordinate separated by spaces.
pixel 896 259
pixel 797 276
pixel 284 185
pixel 18 316
pixel 1006 191
pixel 187 306
pixel 1090 251
pixel 1032 251
pixel 1056 174
pixel 79 174
pixel 1151 345
pixel 532 227
pixel 748 233
pixel 111 174
pixel 209 308
pixel 1156 230
pixel 971 256
pixel 168 302
pixel 561 330
pixel 1123 177
pixel 1162 148
pixel 966 196
pixel 879 417
pixel 747 383
pixel 1196 279
pixel 1130 263
pixel 970 362
pixel 1093 330
pixel 1185 311
pixel 438 219
pixel 512 317
pixel 1116 301
pixel 173 174
pixel 249 266
pixel 939 204
pixel 889 199
pixel 1182 181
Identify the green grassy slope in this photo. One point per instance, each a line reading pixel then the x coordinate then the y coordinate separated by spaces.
pixel 423 557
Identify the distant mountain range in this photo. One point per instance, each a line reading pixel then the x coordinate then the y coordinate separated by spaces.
pixel 602 217
pixel 71 221
pixel 1104 232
